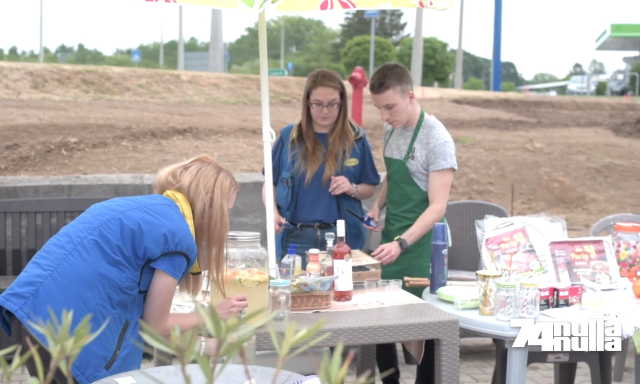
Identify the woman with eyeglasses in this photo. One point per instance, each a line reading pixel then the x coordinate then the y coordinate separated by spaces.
pixel 322 167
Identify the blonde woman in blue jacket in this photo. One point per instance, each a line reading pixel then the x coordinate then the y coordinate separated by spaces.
pixel 122 260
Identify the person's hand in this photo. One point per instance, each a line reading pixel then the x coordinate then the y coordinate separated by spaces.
pixel 232 306
pixel 387 253
pixel 340 185
pixel 279 222
pixel 374 213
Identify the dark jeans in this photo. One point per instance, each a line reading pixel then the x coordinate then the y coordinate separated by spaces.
pixel 19 335
pixel 307 238
pixel 387 358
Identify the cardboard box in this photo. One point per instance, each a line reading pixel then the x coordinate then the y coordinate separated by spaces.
pixel 547 298
pixel 364 266
pixel 568 296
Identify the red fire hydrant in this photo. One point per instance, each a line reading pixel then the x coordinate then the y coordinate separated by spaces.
pixel 358 79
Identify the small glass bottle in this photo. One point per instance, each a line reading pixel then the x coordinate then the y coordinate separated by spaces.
pixel 327 262
pixel 528 300
pixel 487 291
pixel 506 301
pixel 280 298
pixel 314 269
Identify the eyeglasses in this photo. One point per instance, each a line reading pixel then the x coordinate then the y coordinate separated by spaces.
pixel 320 106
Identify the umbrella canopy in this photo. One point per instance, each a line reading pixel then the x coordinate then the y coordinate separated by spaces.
pixel 268 135
pixel 314 5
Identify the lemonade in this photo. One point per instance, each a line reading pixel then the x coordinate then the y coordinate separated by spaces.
pixel 253 283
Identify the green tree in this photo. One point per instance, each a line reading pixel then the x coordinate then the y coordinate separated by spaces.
pixel 507 86
pixel 357 50
pixel 634 79
pixel 541 78
pixel 299 33
pixel 596 67
pixel 1 54
pixel 510 74
pixel 86 56
pixel 473 84
pixel 577 70
pixel 388 25
pixel 318 54
pixel 436 65
pixel 473 66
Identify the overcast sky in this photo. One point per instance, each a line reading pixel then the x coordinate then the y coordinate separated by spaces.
pixel 538 36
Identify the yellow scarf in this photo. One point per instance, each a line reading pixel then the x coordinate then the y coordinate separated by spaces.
pixel 185 208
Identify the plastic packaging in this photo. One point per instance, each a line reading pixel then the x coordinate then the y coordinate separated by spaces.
pixel 288 264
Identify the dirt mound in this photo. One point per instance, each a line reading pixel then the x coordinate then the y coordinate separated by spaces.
pixel 629 129
pixel 76 82
pixel 562 112
pixel 559 153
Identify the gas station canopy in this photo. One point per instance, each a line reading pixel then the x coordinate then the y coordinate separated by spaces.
pixel 620 37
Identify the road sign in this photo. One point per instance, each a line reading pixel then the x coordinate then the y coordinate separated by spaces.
pixel 136 56
pixel 370 14
pixel 290 66
pixel 278 72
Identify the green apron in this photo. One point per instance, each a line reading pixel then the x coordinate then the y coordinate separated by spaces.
pixel 406 201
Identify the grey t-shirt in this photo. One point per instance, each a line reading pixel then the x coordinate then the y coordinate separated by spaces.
pixel 434 149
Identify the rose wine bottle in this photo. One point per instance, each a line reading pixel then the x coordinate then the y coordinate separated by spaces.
pixel 343 285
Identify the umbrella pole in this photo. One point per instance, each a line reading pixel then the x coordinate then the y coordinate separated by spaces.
pixel 268 136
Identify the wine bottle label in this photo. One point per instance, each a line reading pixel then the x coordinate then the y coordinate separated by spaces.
pixel 342 268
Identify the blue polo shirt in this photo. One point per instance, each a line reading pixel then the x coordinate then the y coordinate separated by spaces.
pixel 314 201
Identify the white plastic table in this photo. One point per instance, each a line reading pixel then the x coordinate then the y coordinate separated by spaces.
pixel 170 374
pixel 471 320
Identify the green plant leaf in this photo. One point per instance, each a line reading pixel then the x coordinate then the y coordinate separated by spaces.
pixel 308 333
pixel 205 367
pixel 19 360
pixel 6 372
pixel 274 340
pixel 8 350
pixel 36 359
pixel 309 345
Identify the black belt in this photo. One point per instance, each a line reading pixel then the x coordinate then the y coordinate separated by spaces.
pixel 313 226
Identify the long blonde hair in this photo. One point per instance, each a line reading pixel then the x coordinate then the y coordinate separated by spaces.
pixel 341 137
pixel 208 187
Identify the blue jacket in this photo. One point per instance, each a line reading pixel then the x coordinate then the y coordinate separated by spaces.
pixel 286 193
pixel 96 265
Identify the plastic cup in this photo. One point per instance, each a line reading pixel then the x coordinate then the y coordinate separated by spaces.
pixel 371 290
pixel 396 285
pixel 372 281
pixel 385 289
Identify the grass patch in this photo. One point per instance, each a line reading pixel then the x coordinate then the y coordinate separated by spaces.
pixel 464 140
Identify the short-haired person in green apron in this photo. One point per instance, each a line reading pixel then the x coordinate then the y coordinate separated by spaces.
pixel 420 158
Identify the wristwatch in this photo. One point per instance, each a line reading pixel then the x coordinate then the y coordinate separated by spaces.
pixel 355 186
pixel 404 246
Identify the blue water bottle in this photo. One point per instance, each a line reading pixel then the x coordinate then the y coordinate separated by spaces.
pixel 439 249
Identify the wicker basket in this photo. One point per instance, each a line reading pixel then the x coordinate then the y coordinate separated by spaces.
pixel 311 300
